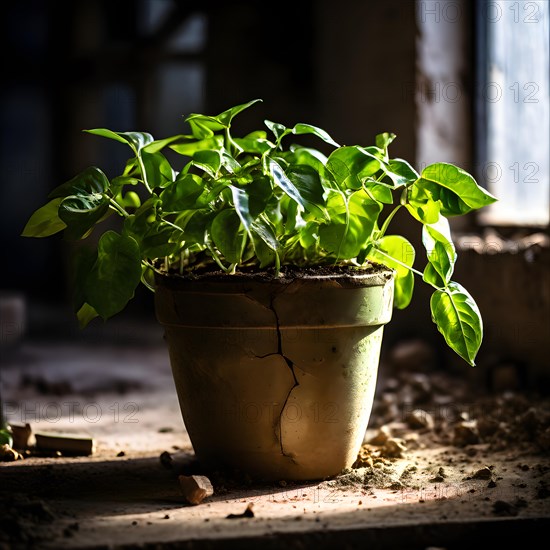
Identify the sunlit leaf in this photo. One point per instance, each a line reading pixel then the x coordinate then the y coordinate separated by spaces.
pixel 457 317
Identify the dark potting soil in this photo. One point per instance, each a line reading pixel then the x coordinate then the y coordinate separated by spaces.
pixel 286 272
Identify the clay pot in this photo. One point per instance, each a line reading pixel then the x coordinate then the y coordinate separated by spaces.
pixel 276 378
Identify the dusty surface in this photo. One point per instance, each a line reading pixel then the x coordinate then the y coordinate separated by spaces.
pixel 441 464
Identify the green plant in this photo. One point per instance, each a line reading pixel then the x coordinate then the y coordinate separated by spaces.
pixel 252 203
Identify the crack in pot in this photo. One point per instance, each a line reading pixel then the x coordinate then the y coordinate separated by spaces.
pixel 278 424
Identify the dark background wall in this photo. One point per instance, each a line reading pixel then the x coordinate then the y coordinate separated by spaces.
pixel 143 64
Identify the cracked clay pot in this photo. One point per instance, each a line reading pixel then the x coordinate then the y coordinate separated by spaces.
pixel 276 378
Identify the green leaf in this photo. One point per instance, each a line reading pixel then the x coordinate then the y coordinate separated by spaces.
pixel 310 157
pixel 259 192
pixel 136 140
pixel 83 263
pixel 190 148
pixel 45 221
pixel 229 163
pixel 227 234
pixel 120 181
pixel 421 204
pixel 351 224
pixel 440 251
pixel 240 200
pixel 401 172
pixel 209 161
pixel 184 194
pixel 81 212
pixel 5 437
pixel 277 129
pixel 264 240
pixel 308 183
pixel 195 225
pixel 386 251
pixel 158 170
pixel 227 116
pixel 383 141
pixel 129 200
pixel 90 180
pixel 281 179
pixel 85 314
pixel 301 128
pixel 254 145
pixel 115 275
pixel 349 165
pixel 378 191
pixel 457 190
pixel 160 144
pixel 154 237
pixel 458 318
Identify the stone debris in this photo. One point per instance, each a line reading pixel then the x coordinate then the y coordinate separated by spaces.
pixel 166 460
pixel 483 473
pixel 70 444
pixel 420 419
pixel 465 433
pixel 20 434
pixel 394 448
pixel 248 513
pixel 383 434
pixel 195 488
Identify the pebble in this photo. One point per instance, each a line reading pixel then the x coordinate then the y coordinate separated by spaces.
pixel 420 419
pixel 381 437
pixel 394 448
pixel 465 433
pixel 482 473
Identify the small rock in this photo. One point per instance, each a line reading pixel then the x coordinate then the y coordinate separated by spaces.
pixel 20 434
pixel 503 508
pixel 195 488
pixel 381 437
pixel 465 433
pixel 166 460
pixel 437 479
pixel 248 513
pixel 492 484
pixel 420 419
pixel 394 448
pixel 482 473
pixel 121 453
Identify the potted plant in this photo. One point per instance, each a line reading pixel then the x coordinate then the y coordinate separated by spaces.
pixel 274 272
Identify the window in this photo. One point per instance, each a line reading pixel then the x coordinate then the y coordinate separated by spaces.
pixel 513 104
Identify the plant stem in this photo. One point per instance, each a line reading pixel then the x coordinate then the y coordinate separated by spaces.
pixel 172 224
pixel 388 220
pixel 400 263
pixel 143 173
pixel 215 257
pixel 117 208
